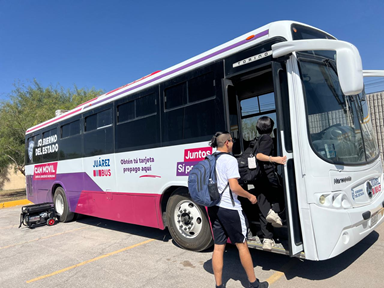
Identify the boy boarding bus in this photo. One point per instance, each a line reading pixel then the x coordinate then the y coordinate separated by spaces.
pixel 126 155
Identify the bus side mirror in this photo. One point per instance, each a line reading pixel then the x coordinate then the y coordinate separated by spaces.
pixel 373 73
pixel 348 60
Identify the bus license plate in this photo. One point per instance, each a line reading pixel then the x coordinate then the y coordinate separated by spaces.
pixel 374 219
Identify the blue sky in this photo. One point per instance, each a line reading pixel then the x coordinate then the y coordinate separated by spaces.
pixel 106 44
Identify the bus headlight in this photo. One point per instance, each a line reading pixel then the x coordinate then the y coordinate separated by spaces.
pixel 335 200
pixel 325 199
pixel 322 199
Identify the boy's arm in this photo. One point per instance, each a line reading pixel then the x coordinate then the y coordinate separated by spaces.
pixel 265 158
pixel 236 188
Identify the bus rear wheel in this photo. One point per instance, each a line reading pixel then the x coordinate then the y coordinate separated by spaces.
pixel 61 206
pixel 188 223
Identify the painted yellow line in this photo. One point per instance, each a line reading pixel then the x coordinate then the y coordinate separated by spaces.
pixel 89 261
pixel 14 203
pixel 45 237
pixel 278 274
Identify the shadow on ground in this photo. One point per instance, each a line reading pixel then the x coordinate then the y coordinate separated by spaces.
pixel 161 235
pixel 291 267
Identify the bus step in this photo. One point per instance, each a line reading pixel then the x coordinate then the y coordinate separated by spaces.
pixel 257 223
pixel 280 247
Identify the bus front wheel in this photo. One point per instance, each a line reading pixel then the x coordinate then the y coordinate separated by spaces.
pixel 61 206
pixel 188 223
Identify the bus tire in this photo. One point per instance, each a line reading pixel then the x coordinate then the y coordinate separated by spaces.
pixel 61 206
pixel 188 223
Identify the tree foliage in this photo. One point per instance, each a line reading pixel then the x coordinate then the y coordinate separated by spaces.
pixel 28 106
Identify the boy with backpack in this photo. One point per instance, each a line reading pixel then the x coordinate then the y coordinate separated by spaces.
pixel 227 217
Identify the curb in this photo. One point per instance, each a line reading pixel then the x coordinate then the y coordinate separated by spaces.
pixel 14 203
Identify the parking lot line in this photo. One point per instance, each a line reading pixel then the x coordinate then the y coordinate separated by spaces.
pixel 45 237
pixel 278 274
pixel 89 261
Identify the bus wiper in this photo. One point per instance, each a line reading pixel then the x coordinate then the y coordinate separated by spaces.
pixel 328 80
pixel 330 63
pixel 348 99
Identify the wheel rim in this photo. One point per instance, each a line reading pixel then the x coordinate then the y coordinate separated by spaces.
pixel 59 204
pixel 188 219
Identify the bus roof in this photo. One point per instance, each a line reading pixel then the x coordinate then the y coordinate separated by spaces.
pixel 279 28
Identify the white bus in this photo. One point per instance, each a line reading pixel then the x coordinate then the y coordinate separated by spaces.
pixel 126 155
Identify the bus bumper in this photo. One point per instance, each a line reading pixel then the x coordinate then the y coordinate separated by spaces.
pixel 338 230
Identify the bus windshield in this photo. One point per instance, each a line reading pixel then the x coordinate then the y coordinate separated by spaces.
pixel 340 128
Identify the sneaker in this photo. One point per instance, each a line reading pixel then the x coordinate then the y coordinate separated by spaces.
pixel 258 284
pixel 250 236
pixel 268 244
pixel 274 219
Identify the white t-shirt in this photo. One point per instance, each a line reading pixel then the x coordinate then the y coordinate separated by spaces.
pixel 227 168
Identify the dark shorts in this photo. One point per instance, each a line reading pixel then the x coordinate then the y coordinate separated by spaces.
pixel 228 223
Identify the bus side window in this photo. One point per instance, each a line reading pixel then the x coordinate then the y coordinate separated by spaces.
pixel 70 141
pixel 175 98
pixel 254 108
pixel 199 116
pixel 98 136
pixel 190 111
pixel 70 129
pixel 50 145
pixel 257 99
pixel 90 123
pixel 104 118
pixel 138 123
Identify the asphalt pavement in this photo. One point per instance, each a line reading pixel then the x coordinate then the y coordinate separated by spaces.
pixel 93 252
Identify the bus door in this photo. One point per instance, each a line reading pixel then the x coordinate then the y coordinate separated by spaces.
pixel 295 238
pixel 252 95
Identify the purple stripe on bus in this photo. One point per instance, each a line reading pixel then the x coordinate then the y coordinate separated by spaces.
pixel 86 197
pixel 186 66
pixel 74 184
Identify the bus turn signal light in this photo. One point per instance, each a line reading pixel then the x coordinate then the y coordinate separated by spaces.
pixel 250 37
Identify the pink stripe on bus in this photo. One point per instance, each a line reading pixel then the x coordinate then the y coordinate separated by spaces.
pixel 53 120
pixel 135 208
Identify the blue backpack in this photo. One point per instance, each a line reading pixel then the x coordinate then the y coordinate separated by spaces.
pixel 202 182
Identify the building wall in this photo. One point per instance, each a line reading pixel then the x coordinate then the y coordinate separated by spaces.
pixel 9 180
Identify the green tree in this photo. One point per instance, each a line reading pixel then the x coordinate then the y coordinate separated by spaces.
pixel 27 106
